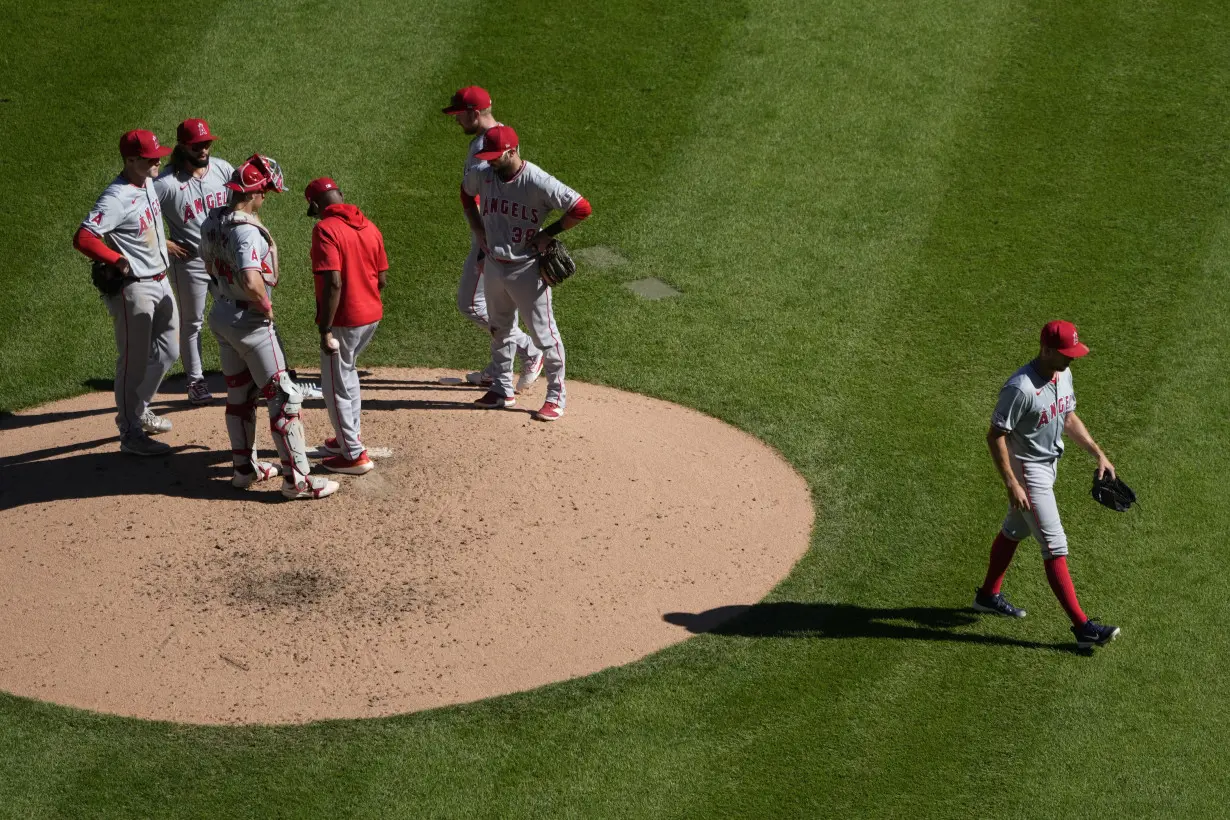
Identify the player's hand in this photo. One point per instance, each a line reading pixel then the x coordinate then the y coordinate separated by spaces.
pixel 1017 497
pixel 177 250
pixel 1105 467
pixel 123 267
pixel 541 240
pixel 327 343
pixel 482 243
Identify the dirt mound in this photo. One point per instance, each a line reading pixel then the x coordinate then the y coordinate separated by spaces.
pixel 488 553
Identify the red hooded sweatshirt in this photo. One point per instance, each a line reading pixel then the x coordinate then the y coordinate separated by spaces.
pixel 347 241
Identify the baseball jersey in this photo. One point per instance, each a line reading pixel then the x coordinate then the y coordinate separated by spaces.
pixel 513 211
pixel 1033 411
pixel 129 218
pixel 187 199
pixel 229 247
pixel 346 241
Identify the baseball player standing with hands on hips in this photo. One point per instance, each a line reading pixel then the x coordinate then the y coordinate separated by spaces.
pixel 350 267
pixel 1036 407
pixel 192 185
pixel 242 261
pixel 471 108
pixel 515 197
pixel 124 230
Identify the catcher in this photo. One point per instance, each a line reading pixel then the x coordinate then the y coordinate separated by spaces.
pixel 1036 407
pixel 242 261
pixel 516 196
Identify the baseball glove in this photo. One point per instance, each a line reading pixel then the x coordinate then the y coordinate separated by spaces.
pixel 109 279
pixel 1112 493
pixel 554 263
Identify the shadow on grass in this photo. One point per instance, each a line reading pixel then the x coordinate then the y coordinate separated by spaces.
pixel 789 619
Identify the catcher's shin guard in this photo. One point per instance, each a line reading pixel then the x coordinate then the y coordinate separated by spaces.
pixel 241 396
pixel 284 404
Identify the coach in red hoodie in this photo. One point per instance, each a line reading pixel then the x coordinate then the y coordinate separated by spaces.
pixel 350 267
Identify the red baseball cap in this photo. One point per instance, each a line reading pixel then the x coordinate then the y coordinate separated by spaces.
pixel 496 141
pixel 470 98
pixel 190 132
pixel 142 144
pixel 317 187
pixel 1061 336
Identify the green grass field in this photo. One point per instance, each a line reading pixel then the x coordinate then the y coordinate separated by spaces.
pixel 871 207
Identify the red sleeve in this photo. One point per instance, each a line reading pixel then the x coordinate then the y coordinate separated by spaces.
pixel 581 210
pixel 382 258
pixel 92 246
pixel 325 253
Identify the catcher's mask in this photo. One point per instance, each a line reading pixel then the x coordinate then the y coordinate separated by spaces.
pixel 259 173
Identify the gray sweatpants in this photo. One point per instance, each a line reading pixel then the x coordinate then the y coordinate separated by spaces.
pixel 472 303
pixel 518 288
pixel 339 381
pixel 191 284
pixel 147 343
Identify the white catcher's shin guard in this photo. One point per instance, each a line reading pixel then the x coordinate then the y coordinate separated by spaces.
pixel 241 425
pixel 284 405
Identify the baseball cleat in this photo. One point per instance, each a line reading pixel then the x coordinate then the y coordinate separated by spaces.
pixel 492 400
pixel 550 411
pixel 1091 634
pixel 198 393
pixel 479 379
pixel 310 390
pixel 349 466
pixel 996 604
pixel 331 446
pixel 533 369
pixel 263 471
pixel 143 445
pixel 153 424
pixel 312 486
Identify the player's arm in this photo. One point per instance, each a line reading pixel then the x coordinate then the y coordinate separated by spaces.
pixel 1075 429
pixel 574 216
pixel 166 198
pixel 470 208
pixel 253 284
pixel 330 300
pixel 88 240
pixel 997 440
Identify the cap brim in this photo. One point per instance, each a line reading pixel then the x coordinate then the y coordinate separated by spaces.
pixel 1075 351
pixel 487 156
pixel 157 153
pixel 454 109
pixel 199 138
pixel 233 187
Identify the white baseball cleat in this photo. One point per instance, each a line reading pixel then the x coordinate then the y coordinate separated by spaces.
pixel 143 445
pixel 263 471
pixel 310 390
pixel 312 486
pixel 153 424
pixel 533 369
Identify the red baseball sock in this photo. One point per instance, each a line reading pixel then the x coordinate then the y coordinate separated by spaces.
pixel 1002 550
pixel 1061 585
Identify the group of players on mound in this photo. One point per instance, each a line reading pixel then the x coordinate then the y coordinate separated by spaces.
pixel 218 245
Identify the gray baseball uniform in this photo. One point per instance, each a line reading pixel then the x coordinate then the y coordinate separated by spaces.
pixel 143 314
pixel 513 212
pixel 251 355
pixel 186 201
pixel 471 299
pixel 1032 411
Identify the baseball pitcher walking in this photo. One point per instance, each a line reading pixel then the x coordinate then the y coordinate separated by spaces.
pixel 242 260
pixel 516 196
pixel 350 267
pixel 1036 407
pixel 471 108
pixel 125 229
pixel 193 184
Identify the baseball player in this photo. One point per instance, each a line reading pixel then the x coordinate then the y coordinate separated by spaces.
pixel 242 261
pixel 1036 407
pixel 516 196
pixel 350 267
pixel 192 185
pixel 471 108
pixel 125 229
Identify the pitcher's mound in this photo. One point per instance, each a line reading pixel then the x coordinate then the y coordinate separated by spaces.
pixel 487 553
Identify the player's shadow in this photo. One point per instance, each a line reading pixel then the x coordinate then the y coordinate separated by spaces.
pixel 13 421
pixel 39 477
pixel 420 404
pixel 789 619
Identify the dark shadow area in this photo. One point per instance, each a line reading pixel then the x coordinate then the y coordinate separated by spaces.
pixel 788 619
pixel 11 421
pixel 424 404
pixel 184 473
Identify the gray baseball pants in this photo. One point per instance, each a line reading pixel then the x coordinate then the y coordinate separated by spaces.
pixel 513 289
pixel 191 284
pixel 147 343
pixel 339 381
pixel 472 303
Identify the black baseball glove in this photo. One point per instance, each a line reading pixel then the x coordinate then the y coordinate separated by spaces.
pixel 109 279
pixel 1112 493
pixel 554 263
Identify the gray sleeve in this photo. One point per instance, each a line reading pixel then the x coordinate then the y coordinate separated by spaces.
pixel 247 253
pixel 470 182
pixel 1009 409
pixel 556 195
pixel 105 216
